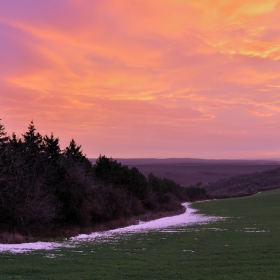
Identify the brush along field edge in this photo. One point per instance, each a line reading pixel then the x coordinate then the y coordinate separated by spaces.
pixel 188 218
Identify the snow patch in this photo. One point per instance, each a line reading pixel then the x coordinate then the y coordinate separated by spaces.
pixel 27 247
pixel 167 224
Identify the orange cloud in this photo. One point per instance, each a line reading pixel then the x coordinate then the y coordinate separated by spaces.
pixel 260 113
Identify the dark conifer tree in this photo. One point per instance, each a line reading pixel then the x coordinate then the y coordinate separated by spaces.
pixel 74 154
pixel 14 141
pixel 33 140
pixel 51 146
pixel 73 150
pixel 3 135
pixel 106 169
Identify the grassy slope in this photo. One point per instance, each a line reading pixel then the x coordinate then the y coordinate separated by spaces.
pixel 222 250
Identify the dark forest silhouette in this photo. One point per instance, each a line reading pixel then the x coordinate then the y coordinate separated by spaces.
pixel 44 188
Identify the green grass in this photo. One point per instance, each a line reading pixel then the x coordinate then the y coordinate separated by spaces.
pixel 244 246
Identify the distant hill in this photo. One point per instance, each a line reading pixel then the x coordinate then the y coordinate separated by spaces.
pixel 245 184
pixel 191 161
pixel 190 171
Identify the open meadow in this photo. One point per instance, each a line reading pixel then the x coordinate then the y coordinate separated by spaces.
pixel 244 245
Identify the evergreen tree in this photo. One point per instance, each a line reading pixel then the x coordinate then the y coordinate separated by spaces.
pixel 73 150
pixel 14 141
pixel 51 146
pixel 74 155
pixel 32 139
pixel 112 172
pixel 107 170
pixel 3 135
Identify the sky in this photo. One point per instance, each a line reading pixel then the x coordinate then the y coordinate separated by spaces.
pixel 157 79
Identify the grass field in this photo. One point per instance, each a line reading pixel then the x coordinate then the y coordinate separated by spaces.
pixel 246 245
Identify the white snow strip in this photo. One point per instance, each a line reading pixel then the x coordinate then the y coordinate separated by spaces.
pixel 186 219
pixel 27 247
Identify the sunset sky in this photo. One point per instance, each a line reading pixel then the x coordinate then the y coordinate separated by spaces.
pixel 160 78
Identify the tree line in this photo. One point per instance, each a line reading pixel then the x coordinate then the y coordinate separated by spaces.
pixel 43 186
